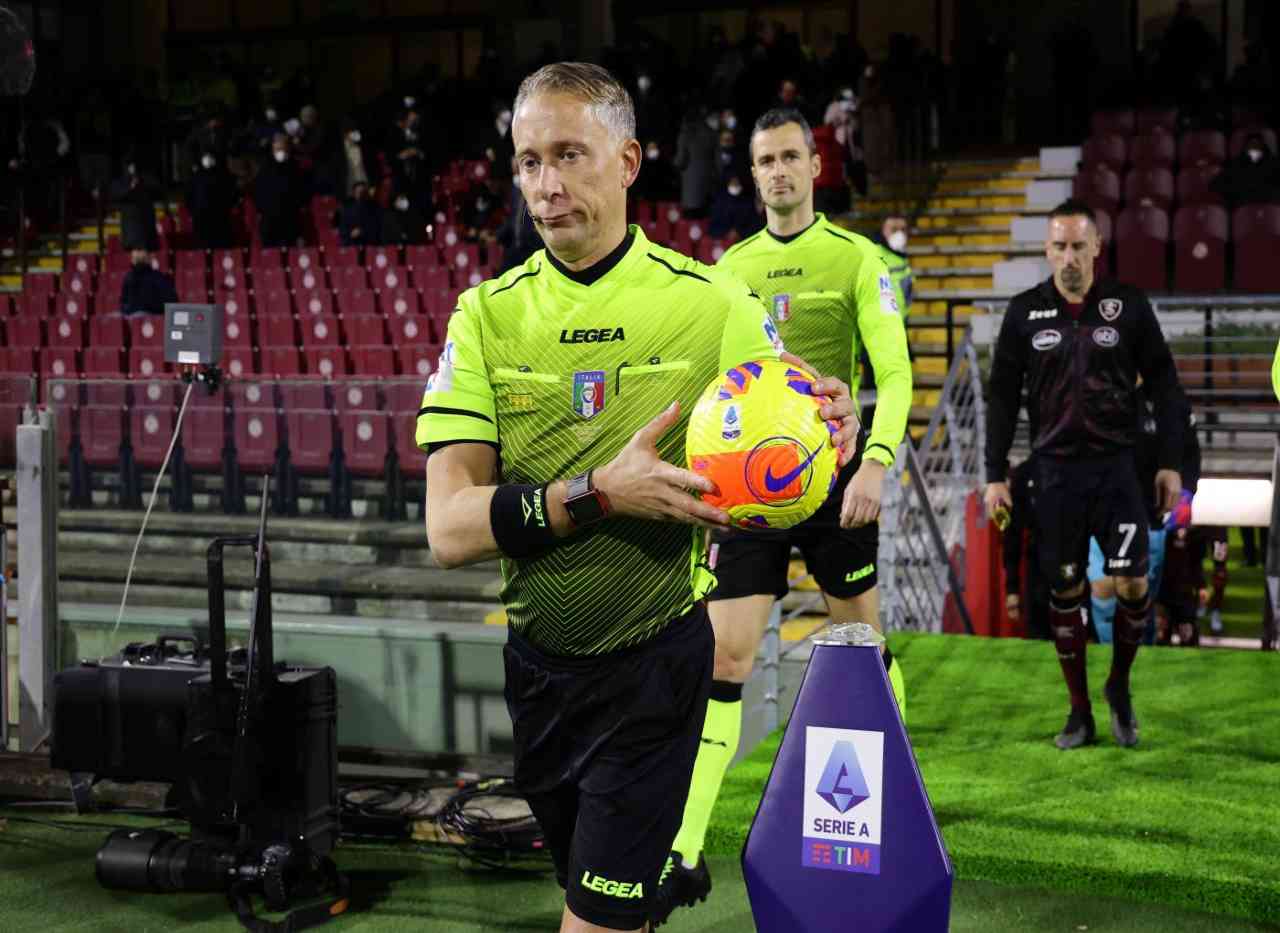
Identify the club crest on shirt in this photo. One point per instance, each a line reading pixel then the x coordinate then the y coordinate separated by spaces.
pixel 1110 308
pixel 781 307
pixel 588 393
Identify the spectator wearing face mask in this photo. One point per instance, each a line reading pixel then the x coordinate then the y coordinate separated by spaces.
pixel 353 161
pixel 734 211
pixel 403 223
pixel 652 112
pixel 210 136
pixel 145 290
pixel 657 180
pixel 407 158
pixel 480 211
pixel 1252 176
pixel 696 160
pixel 892 241
pixel 280 192
pixel 360 223
pixel 211 193
pixel 135 195
pixel 728 156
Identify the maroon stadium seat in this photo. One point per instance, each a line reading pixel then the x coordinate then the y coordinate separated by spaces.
pixel 316 301
pixel 1256 233
pixel 302 393
pixel 204 437
pixel 1098 186
pixel 66 332
pixel 1202 147
pixel 25 331
pixel 238 362
pixel 404 426
pixel 237 334
pixel 342 256
pixel 281 361
pixel 189 262
pixel 271 257
pixel 1200 248
pixel 146 331
pixel 229 280
pixel 18 360
pixel 357 395
pixel 1193 184
pixel 33 304
pixel 462 258
pixel 390 278
pixel 147 361
pixel 68 392
pixel 350 278
pixel 108 330
pixel 267 279
pixel 109 289
pixel 366 439
pixel 1152 119
pixel 377 258
pixel 418 361
pixel 277 330
pixel 235 303
pixel 1149 186
pixel 310 434
pixel 227 260
pixel 366 330
pixel 274 303
pixel 305 259
pixel 82 264
pixel 437 277
pixel 421 256
pixel 257 438
pixel 318 330
pixel 150 429
pixel 252 393
pixel 401 301
pixel 327 362
pixel 103 361
pixel 310 278
pixel 60 361
pixel 1142 234
pixel 192 286
pixel 409 329
pixel 76 281
pixel 1112 121
pixel 373 360
pixel 361 301
pixel 1240 136
pixel 1153 149
pixel 73 304
pixel 405 393
pixel 157 392
pixel 101 435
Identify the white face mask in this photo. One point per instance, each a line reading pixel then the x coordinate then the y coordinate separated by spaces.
pixel 355 136
pixel 409 102
pixel 131 169
pixel 293 126
pixel 208 161
pixel 644 82
pixel 735 190
pixel 402 204
pixel 653 153
pixel 898 240
pixel 713 121
pixel 1255 155
pixel 280 155
pixel 271 115
pixel 730 121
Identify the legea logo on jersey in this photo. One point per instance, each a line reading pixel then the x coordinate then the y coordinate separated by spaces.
pixel 843 794
pixel 588 393
pixel 781 307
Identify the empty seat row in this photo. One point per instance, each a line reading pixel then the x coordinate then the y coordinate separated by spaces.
pixel 1101 187
pixel 1200 147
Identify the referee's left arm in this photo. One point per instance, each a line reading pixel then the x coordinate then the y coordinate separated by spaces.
pixel 882 332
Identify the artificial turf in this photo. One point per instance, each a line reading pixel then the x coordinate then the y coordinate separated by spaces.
pixel 1243 601
pixel 1187 819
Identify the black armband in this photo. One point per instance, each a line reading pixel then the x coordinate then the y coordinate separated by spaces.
pixel 520 521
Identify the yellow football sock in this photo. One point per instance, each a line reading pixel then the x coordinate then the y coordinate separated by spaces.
pixel 720 731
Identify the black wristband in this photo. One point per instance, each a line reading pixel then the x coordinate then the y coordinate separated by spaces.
pixel 520 521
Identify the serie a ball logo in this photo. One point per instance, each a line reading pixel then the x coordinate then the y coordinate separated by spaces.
pixel 757 434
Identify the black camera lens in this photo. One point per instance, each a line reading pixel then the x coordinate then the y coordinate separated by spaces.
pixel 153 860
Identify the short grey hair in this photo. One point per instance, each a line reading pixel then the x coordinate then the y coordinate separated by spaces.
pixel 602 92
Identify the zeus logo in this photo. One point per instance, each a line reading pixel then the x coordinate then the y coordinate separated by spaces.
pixel 784 273
pixel 592 335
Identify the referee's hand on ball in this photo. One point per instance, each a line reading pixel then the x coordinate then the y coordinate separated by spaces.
pixel 641 484
pixel 839 407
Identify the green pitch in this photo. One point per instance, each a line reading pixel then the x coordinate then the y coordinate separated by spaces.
pixel 1187 819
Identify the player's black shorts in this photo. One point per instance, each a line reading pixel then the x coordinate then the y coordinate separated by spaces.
pixel 842 560
pixel 604 752
pixel 1095 496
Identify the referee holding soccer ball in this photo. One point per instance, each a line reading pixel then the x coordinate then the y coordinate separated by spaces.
pixel 551 426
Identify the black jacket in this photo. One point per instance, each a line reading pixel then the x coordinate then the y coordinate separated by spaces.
pixel 1081 376
pixel 279 193
pixel 1146 455
pixel 146 290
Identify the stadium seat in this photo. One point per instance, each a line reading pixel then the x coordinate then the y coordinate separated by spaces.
pixel 366 440
pixel 77 283
pixel 1256 234
pixel 1149 185
pixel 237 333
pixel 1142 235
pixel 228 260
pixel 110 288
pixel 18 360
pixel 409 329
pixel 401 301
pixel 108 330
pixel 1153 150
pixel 320 330
pixel 668 211
pixel 342 256
pixel 327 362
pixel 25 331
pixel 462 257
pixel 357 395
pixel 238 362
pixel 1193 184
pixel 228 280
pixel 269 279
pixel 418 360
pixel 373 360
pixel 102 435
pixel 41 283
pixel 70 391
pixel 60 361
pixel 1157 119
pixel 712 250
pixel 66 332
pixel 68 423
pixel 404 393
pixel 189 261
pixel 316 301
pixel 366 330
pixel 433 278
pixel 1120 122
pixel 1110 150
pixel 1240 136
pixel 157 392
pixel 275 303
pixel 421 256
pixel 253 393
pixel 277 330
pixel 390 278
pixel 361 301
pixel 73 305
pixel 310 434
pixel 145 331
pixel 271 257
pixel 1098 186
pixel 1202 147
pixel 192 286
pixel 413 459
pixel 304 259
pixel 281 361
pixel 350 278
pixel 103 361
pixel 82 264
pixel 1200 248
pixel 147 361
pixel 310 278
pixel 204 436
pixel 257 438
pixel 150 430
pixel 378 258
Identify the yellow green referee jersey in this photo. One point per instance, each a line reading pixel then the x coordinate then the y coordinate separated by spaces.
pixel 558 370
pixel 830 294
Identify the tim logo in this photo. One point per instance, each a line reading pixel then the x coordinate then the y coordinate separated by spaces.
pixel 844 778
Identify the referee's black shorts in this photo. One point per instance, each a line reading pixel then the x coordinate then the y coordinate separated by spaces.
pixel 842 560
pixel 604 752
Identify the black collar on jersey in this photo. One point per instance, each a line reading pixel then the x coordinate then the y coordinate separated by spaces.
pixel 597 270
pixel 791 236
pixel 1101 288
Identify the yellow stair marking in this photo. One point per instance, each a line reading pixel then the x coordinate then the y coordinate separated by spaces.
pixel 927 398
pixel 496 617
pixel 931 365
pixel 11 281
pixel 936 261
pixel 927 334
pixel 801 627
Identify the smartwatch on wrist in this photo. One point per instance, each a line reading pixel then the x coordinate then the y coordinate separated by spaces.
pixel 584 503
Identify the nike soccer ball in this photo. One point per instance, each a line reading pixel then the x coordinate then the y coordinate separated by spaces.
pixel 757 434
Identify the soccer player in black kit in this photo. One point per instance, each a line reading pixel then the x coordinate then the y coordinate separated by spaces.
pixel 1078 346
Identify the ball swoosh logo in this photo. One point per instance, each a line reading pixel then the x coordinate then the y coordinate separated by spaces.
pixel 777 483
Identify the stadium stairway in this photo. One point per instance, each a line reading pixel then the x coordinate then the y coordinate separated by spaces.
pixel 44 253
